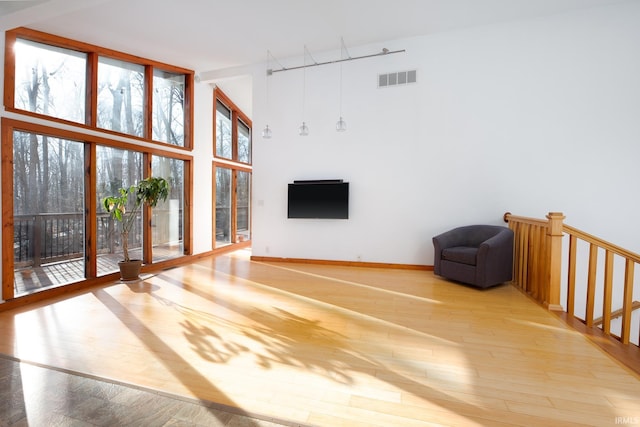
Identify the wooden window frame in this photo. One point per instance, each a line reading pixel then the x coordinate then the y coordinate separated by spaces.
pixel 90 141
pixel 234 168
pixel 91 107
pixel 236 115
pixel 233 164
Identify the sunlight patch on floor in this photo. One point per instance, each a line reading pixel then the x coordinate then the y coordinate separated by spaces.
pixel 351 283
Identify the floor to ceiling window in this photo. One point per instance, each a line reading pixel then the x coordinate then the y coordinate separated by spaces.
pixel 243 204
pixel 115 168
pixel 223 206
pixel 232 173
pixel 167 221
pixel 48 211
pixel 55 173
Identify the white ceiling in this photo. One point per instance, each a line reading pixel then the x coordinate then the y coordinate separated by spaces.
pixel 7 7
pixel 206 35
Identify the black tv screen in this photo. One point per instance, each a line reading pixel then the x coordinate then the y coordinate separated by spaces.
pixel 318 199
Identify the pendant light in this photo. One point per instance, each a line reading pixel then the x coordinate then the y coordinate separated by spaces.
pixel 303 130
pixel 341 125
pixel 266 132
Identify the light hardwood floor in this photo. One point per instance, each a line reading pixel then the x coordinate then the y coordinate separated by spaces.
pixel 332 346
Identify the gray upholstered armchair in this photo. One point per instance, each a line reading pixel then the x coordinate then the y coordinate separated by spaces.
pixel 479 255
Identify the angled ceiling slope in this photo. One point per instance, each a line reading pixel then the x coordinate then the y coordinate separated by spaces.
pixel 8 7
pixel 207 35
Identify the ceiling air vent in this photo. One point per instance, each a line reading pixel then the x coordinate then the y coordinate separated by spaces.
pixel 395 79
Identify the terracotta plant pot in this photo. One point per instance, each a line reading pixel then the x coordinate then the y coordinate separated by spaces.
pixel 130 270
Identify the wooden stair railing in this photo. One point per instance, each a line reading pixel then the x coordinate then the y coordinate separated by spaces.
pixel 537 257
pixel 615 314
pixel 538 262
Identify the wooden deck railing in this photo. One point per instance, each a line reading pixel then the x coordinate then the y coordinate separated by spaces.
pixel 46 238
pixel 53 237
pixel 545 265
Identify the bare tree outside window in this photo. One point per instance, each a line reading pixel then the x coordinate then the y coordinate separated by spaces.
pixel 243 208
pixel 233 180
pixel 168 216
pixel 48 216
pixel 168 107
pixel 223 206
pixel 244 143
pixel 50 80
pixel 224 144
pixel 115 169
pixel 53 160
pixel 121 96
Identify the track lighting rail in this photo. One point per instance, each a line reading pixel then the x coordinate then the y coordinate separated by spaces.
pixel 384 52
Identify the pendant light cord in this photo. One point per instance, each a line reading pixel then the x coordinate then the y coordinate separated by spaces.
pixel 304 81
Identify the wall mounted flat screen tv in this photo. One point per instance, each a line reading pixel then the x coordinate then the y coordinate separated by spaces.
pixel 326 199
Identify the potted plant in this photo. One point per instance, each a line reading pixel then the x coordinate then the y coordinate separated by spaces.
pixel 149 191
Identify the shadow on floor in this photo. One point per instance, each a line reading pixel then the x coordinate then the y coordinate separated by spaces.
pixel 35 395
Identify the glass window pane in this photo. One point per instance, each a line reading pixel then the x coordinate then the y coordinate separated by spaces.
pixel 168 217
pixel 115 169
pixel 223 131
pixel 168 107
pixel 50 80
pixel 244 206
pixel 48 189
pixel 244 143
pixel 223 206
pixel 121 96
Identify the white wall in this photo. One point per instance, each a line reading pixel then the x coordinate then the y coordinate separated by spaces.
pixel 527 117
pixel 202 168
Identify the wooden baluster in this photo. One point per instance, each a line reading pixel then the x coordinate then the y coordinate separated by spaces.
pixel 514 278
pixel 532 286
pixel 571 281
pixel 627 302
pixel 544 264
pixel 522 275
pixel 531 260
pixel 539 263
pixel 555 260
pixel 608 288
pixel 591 283
pixel 516 253
pixel 522 256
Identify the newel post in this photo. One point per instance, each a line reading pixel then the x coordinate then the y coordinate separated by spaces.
pixel 554 231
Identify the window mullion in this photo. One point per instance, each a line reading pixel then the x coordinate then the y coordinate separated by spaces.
pixel 148 102
pixel 91 218
pixel 9 69
pixel 234 135
pixel 8 290
pixel 147 241
pixel 234 206
pixel 91 110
